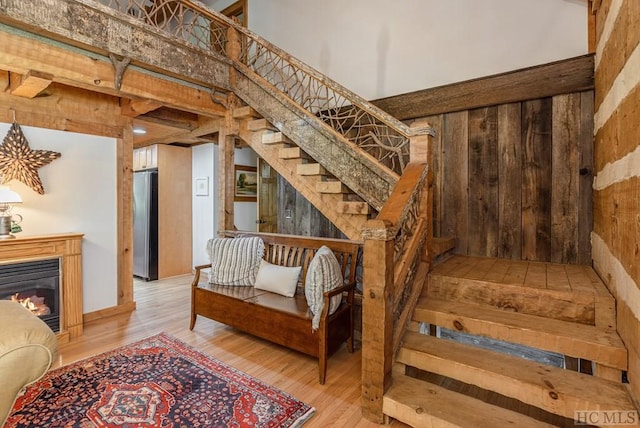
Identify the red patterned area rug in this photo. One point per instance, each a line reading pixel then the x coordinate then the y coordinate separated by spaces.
pixel 156 382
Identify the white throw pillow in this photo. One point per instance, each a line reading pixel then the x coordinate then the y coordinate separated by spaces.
pixel 323 274
pixel 235 261
pixel 278 279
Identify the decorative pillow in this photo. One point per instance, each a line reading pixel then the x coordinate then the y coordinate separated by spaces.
pixel 235 261
pixel 323 274
pixel 278 279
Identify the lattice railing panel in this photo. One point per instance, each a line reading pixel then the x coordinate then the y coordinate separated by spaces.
pixel 369 128
pixel 177 19
pixel 388 145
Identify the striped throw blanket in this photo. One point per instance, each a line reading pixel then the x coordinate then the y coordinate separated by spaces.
pixel 235 261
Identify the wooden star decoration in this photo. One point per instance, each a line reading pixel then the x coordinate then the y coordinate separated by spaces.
pixel 18 161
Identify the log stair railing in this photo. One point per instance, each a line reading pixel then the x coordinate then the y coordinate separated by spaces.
pixel 351 139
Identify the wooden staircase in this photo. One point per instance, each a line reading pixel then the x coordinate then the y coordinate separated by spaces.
pixel 342 206
pixel 471 355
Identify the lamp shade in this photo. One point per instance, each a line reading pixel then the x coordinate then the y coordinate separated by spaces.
pixel 8 196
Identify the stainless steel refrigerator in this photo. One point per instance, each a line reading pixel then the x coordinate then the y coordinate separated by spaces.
pixel 145 224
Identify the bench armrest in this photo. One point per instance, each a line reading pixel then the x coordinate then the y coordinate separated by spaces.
pixel 198 269
pixel 333 292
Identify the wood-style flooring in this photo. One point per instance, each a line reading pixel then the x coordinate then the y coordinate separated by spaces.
pixel 164 306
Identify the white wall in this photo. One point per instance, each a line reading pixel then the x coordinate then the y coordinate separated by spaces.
pixel 378 48
pixel 80 196
pixel 204 161
pixel 205 208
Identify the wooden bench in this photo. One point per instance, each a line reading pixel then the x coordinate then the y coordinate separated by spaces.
pixel 279 319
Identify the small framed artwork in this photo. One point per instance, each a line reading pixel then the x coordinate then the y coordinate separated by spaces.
pixel 202 186
pixel 246 184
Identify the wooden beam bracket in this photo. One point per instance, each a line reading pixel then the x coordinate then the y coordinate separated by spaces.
pixel 29 85
pixel 219 98
pixel 120 65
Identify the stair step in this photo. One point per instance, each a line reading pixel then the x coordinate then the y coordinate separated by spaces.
pixel 310 169
pixel 553 389
pixel 347 207
pixel 423 404
pixel 260 124
pixel 275 138
pixel 334 187
pixel 292 153
pixel 576 340
pixel 245 112
pixel 564 292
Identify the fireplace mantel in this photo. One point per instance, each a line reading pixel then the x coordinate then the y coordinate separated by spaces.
pixel 68 247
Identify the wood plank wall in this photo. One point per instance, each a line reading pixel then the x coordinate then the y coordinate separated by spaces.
pixel 616 231
pixel 513 176
pixel 516 179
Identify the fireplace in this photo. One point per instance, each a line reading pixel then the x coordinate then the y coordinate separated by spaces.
pixel 36 285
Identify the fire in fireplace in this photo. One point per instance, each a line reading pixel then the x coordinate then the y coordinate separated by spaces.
pixel 36 285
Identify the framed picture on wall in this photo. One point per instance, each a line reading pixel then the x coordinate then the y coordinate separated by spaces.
pixel 246 184
pixel 202 186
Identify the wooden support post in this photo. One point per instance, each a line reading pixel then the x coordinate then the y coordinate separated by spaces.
pixel 226 173
pixel 377 317
pixel 226 142
pixel 125 213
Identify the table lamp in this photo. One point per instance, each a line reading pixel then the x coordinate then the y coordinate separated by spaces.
pixel 7 197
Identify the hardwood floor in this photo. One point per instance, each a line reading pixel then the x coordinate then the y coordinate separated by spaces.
pixel 164 305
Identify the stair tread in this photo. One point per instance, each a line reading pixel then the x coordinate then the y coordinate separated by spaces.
pixel 274 138
pixel 554 389
pixel 576 340
pixel 420 403
pixel 563 305
pixel 556 277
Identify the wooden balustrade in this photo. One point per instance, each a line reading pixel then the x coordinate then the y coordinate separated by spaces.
pixel 397 258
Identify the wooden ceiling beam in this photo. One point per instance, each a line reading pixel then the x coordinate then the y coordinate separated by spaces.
pixel 65 109
pixel 201 134
pixel 20 54
pixel 30 84
pixel 169 117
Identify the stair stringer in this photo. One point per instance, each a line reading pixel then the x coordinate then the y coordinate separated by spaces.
pixel 354 167
pixel 349 224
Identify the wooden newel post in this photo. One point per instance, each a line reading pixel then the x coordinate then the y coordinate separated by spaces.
pixel 377 317
pixel 419 144
pixel 421 150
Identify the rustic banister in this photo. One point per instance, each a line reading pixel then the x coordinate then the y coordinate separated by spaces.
pixel 365 125
pixel 396 262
